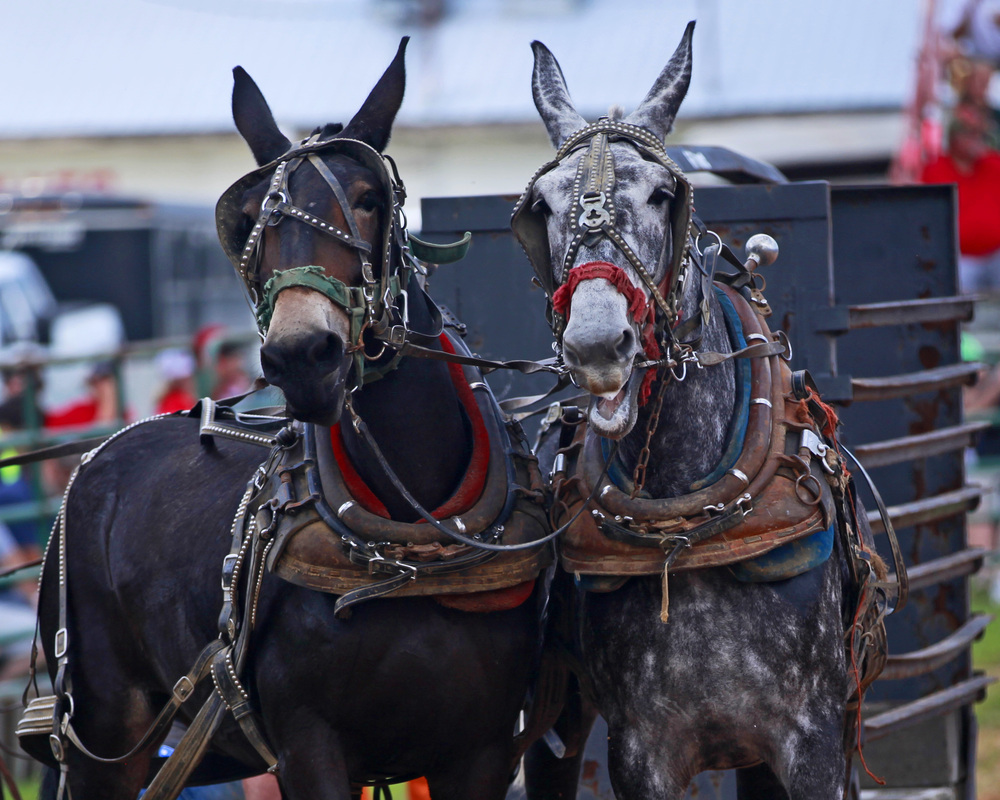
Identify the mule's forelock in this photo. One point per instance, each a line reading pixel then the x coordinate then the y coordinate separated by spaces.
pixel 659 108
pixel 548 88
pixel 327 131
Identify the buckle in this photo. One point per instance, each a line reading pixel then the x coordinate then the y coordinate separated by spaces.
pixel 811 442
pixel 380 565
pixel 61 642
pixel 183 689
pixel 396 336
pixel 228 570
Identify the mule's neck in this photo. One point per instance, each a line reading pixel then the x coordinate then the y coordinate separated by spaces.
pixel 415 415
pixel 694 419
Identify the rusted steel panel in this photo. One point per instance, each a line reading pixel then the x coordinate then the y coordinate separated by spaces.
pixel 929 509
pixel 910 312
pixel 921 445
pixel 920 662
pixel 911 383
pixel 941 702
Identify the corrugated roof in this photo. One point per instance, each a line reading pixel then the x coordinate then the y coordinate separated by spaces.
pixel 127 67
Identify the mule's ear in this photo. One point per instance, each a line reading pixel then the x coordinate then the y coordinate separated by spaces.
pixel 373 122
pixel 548 88
pixel 658 111
pixel 254 120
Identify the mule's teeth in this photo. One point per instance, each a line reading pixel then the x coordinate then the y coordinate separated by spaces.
pixel 611 395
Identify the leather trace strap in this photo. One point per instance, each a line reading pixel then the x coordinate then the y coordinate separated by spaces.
pixel 901 585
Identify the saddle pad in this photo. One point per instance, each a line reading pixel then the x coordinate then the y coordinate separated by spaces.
pixel 787 560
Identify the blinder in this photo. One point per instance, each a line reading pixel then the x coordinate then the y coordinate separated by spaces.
pixel 593 185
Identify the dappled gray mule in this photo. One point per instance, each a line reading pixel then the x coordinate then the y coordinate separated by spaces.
pixel 692 441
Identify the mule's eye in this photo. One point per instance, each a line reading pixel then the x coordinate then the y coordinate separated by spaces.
pixel 660 195
pixel 368 202
pixel 539 206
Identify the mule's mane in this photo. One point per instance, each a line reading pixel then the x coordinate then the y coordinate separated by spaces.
pixel 616 112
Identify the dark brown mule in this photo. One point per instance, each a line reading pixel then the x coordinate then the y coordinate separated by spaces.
pixel 403 687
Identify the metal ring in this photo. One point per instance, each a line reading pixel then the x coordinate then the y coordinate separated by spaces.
pixel 698 249
pixel 782 337
pixel 281 198
pixel 801 482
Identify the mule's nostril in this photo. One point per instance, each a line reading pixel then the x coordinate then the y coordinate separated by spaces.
pixel 570 358
pixel 626 344
pixel 271 363
pixel 328 349
pixel 625 347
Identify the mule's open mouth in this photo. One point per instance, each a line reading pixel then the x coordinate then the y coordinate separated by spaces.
pixel 613 416
pixel 607 406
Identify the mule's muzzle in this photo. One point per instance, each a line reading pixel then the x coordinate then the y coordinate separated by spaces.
pixel 600 364
pixel 311 369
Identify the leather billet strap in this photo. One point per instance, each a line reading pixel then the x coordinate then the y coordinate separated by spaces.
pixel 731 516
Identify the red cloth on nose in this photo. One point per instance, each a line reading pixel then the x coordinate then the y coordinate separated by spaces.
pixel 638 307
pixel 612 274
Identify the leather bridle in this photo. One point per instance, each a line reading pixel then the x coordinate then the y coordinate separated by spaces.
pixel 372 306
pixel 595 218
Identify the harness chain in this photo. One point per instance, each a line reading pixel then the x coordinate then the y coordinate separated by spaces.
pixel 639 474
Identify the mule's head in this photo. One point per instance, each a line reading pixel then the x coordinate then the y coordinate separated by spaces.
pixel 309 234
pixel 605 226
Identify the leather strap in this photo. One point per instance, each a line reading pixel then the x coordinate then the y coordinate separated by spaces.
pixel 182 691
pixel 729 518
pixel 902 583
pixel 238 702
pixel 170 780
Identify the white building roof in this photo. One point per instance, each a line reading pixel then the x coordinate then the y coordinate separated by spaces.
pixel 135 67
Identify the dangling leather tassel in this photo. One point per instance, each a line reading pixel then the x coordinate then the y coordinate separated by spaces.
pixel 665 605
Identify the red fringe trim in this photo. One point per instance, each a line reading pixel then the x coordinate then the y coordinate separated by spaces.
pixel 638 307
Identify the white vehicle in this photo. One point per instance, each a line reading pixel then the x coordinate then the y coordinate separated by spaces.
pixel 34 325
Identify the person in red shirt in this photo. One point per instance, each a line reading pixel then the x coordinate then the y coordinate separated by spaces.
pixel 99 404
pixel 177 369
pixel 974 168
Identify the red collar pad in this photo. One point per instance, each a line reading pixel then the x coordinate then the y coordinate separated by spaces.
pixel 471 487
